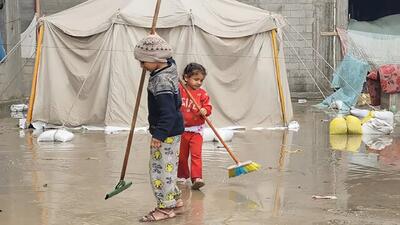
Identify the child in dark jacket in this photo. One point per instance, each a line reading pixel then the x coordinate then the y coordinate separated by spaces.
pixel 166 124
pixel 192 139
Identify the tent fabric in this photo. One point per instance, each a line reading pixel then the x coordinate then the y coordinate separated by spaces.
pixel 222 18
pixel 93 80
pixel 375 41
pixel 377 49
pixel 28 38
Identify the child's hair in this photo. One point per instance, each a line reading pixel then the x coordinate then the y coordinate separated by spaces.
pixel 194 68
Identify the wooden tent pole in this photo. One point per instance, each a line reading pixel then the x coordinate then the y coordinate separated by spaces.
pixel 37 8
pixel 35 76
pixel 278 76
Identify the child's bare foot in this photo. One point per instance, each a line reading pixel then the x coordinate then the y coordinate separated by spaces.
pixel 158 214
pixel 197 184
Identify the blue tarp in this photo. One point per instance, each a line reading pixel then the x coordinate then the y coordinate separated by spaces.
pixel 2 51
pixel 349 78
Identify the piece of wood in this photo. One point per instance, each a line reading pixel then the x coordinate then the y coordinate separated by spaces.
pixel 278 76
pixel 138 97
pixel 334 33
pixel 35 76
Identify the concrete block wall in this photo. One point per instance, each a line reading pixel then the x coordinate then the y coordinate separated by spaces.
pixel 10 74
pixel 309 18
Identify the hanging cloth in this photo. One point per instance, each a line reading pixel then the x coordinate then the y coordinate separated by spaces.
pixel 349 77
pixel 2 51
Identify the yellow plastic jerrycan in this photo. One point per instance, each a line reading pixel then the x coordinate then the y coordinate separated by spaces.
pixel 338 126
pixel 353 125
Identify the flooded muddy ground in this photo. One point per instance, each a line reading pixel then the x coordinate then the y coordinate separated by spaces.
pixel 65 183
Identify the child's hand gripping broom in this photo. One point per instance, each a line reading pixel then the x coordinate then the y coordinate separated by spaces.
pixel 240 167
pixel 122 184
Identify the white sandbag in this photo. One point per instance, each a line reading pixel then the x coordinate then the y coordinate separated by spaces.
pixel 386 116
pixel 55 135
pixel 18 107
pixel 377 126
pixel 22 123
pixel 17 115
pixel 47 136
pixel 63 135
pixel 209 136
pixel 360 113
pixel 39 125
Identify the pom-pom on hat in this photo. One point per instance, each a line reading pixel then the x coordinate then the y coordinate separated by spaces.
pixel 152 49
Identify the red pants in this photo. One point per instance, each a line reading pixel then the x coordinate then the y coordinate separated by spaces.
pixel 191 143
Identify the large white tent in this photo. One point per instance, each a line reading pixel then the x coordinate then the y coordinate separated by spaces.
pixel 88 75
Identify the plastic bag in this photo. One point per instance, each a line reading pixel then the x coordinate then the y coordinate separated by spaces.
pixel 386 116
pixel 18 107
pixel 360 113
pixel 377 126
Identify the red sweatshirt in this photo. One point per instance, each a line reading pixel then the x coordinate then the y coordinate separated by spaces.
pixel 191 114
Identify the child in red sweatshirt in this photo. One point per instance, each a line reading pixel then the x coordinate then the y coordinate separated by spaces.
pixel 192 139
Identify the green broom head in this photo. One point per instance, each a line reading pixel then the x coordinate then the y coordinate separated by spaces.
pixel 121 186
pixel 242 168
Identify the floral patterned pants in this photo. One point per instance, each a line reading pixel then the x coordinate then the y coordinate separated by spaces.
pixel 163 172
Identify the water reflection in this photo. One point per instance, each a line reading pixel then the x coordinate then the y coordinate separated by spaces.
pixel 350 143
pixel 363 172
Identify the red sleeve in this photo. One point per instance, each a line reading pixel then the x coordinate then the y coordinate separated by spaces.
pixel 205 103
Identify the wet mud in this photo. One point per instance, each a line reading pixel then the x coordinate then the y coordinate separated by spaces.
pixel 65 183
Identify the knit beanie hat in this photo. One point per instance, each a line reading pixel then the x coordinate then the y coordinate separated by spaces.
pixel 152 49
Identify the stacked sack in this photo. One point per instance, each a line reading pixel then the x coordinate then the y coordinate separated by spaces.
pixel 375 122
pixel 345 130
pixel 363 122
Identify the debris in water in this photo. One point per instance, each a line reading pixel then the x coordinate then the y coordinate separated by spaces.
pixel 92 158
pixel 324 197
pixel 293 151
pixel 44 185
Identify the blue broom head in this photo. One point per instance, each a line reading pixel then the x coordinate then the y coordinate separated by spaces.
pixel 242 168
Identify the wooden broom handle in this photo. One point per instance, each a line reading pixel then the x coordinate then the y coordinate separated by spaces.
pixel 138 97
pixel 209 123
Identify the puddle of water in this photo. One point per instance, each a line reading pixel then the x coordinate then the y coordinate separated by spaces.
pixel 65 183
